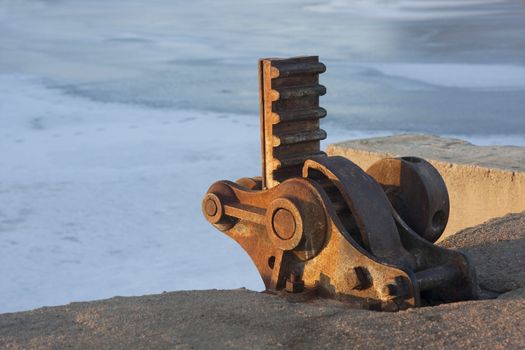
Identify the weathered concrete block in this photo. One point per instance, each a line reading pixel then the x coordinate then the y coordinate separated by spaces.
pixel 484 182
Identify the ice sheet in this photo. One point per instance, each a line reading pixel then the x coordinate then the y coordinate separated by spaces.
pixel 102 199
pixel 409 9
pixel 473 76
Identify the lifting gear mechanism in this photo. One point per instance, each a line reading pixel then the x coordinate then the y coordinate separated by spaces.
pixel 318 225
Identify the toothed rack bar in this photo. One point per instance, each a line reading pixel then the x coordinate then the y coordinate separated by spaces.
pixel 290 114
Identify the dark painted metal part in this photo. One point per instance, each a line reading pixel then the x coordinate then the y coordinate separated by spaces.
pixel 416 191
pixel 321 226
pixel 443 275
pixel 367 203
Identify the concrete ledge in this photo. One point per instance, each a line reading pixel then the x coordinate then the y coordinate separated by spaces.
pixel 483 182
pixel 241 319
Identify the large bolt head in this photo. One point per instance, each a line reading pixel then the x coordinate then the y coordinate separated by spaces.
pixel 210 207
pixel 283 223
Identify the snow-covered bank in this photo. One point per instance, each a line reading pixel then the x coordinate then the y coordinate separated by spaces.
pixel 101 199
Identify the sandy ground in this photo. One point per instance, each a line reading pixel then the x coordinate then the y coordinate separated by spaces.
pixel 246 319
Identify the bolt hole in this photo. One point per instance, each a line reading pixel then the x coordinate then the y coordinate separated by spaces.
pixel 271 262
pixel 438 220
pixel 412 159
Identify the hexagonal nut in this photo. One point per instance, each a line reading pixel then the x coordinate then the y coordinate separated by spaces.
pixel 358 278
pixel 397 289
pixel 294 286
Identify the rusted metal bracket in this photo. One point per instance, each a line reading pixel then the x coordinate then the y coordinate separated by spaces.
pixel 321 226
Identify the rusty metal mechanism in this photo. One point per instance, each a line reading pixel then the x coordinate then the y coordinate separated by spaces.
pixel 316 225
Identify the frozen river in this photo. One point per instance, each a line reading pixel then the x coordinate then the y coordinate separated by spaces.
pixel 115 117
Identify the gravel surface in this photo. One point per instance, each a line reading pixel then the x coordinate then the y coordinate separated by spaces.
pixel 245 319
